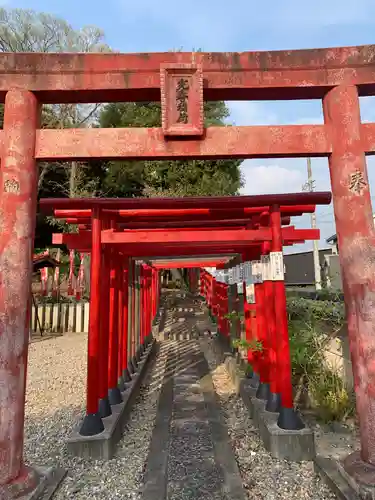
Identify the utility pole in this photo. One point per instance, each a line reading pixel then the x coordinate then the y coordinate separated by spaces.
pixel 309 186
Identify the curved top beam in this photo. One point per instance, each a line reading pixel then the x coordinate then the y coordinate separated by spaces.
pixel 210 202
pixel 286 74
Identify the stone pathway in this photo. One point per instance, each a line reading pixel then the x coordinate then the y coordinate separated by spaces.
pixel 190 455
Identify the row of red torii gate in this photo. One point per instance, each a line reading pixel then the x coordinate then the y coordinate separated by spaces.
pixel 120 234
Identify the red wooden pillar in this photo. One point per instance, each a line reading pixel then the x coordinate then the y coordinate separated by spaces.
pixel 120 284
pixel 132 365
pixel 266 330
pixel 273 339
pixel 114 394
pixel 249 303
pixel 18 195
pixel 125 319
pixel 288 418
pixel 142 300
pixel 92 423
pixel 134 319
pixel 260 367
pixel 355 231
pixel 104 406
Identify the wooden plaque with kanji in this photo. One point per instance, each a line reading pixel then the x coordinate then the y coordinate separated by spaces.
pixel 182 100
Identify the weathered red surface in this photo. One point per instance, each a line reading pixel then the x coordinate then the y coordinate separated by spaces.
pixel 18 191
pixel 172 214
pixel 249 204
pixel 355 231
pixel 199 238
pixel 181 90
pixel 285 74
pixel 149 143
pixel 176 264
pixel 229 142
pixel 94 357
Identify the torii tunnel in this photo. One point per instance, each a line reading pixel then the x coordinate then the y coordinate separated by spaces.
pixel 124 236
pixel 336 76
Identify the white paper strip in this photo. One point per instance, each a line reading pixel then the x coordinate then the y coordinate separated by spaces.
pixel 277 266
pixel 250 293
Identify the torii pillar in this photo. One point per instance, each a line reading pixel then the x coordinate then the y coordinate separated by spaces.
pixel 355 232
pixel 18 196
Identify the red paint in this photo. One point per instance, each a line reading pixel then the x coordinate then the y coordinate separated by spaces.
pixel 281 352
pixel 125 312
pixel 113 321
pixel 170 214
pixel 355 231
pixel 188 79
pixel 289 74
pixel 140 241
pixel 18 188
pixel 104 324
pixel 120 276
pixel 259 360
pixel 94 338
pixel 250 204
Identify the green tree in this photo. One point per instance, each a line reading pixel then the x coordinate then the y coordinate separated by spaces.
pixel 167 178
pixel 29 31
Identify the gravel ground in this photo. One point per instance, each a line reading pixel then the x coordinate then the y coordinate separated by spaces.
pixel 55 401
pixel 263 476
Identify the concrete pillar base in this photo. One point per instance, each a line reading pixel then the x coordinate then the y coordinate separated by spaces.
pixel 126 376
pixel 34 484
pixel 348 480
pixel 254 380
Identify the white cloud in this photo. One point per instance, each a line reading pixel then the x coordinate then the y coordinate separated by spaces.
pixel 267 179
pixel 250 113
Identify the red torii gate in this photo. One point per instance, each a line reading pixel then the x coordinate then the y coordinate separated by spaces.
pixel 337 76
pixel 194 239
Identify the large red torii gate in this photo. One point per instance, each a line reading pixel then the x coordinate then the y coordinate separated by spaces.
pixel 336 76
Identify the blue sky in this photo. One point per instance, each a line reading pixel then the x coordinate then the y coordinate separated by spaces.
pixel 219 25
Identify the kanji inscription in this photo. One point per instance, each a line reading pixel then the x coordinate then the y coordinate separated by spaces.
pixel 182 100
pixel 357 182
pixel 11 186
pixel 182 94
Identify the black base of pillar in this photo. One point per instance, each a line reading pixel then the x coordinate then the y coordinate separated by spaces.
pixel 131 367
pixel 92 424
pixel 126 376
pixel 290 420
pixel 134 361
pixel 263 391
pixel 273 403
pixel 104 408
pixel 120 384
pixel 254 380
pixel 114 396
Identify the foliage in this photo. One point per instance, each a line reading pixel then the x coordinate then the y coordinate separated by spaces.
pixel 253 345
pixel 167 178
pixel 312 325
pixel 330 397
pixel 317 312
pixel 234 316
